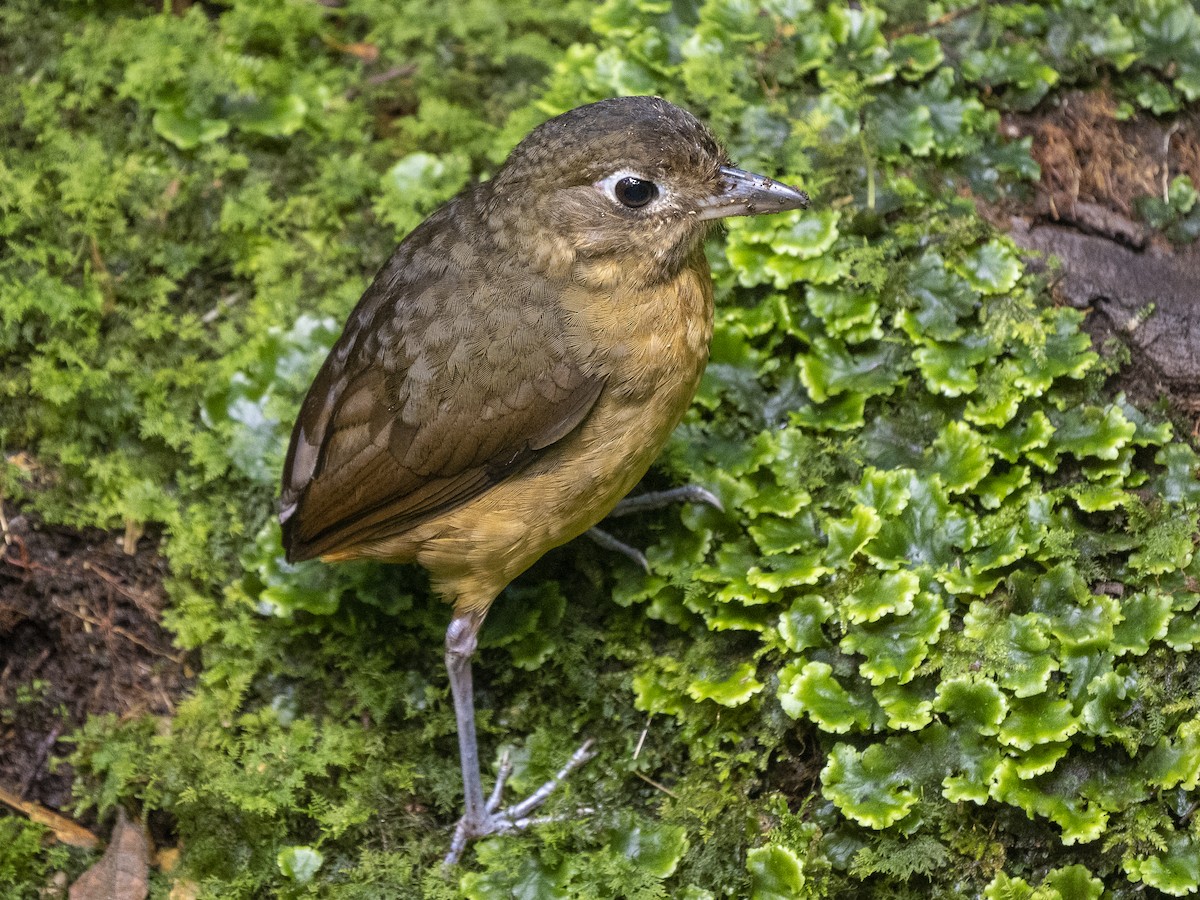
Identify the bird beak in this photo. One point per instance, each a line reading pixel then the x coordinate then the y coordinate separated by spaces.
pixel 746 194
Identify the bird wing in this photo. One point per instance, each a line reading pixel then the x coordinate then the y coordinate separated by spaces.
pixel 442 385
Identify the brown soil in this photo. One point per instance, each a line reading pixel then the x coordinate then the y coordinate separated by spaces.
pixel 1089 158
pixel 79 636
pixel 1134 285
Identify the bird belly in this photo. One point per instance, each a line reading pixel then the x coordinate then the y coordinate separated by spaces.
pixel 473 551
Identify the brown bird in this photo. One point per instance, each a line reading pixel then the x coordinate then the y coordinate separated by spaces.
pixel 514 370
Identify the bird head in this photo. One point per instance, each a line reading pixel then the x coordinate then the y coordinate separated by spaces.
pixel 635 178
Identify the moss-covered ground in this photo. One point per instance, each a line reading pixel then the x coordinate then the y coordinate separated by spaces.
pixel 942 640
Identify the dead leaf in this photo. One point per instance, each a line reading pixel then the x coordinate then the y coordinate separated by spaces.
pixel 364 51
pixel 167 859
pixel 123 872
pixel 64 829
pixel 184 890
pixel 23 461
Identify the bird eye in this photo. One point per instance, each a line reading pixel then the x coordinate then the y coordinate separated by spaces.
pixel 635 192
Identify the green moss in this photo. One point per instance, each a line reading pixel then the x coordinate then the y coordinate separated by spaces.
pixel 28 858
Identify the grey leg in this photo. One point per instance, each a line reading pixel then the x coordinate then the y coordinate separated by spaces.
pixel 482 818
pixel 461 641
pixel 608 542
pixel 689 493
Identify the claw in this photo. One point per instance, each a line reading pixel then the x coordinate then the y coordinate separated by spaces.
pixel 608 542
pixel 689 493
pixel 517 817
pixel 506 768
pixel 542 794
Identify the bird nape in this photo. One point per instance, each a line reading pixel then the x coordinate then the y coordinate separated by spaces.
pixel 515 368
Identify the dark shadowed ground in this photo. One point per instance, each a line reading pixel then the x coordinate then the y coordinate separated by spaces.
pixel 80 635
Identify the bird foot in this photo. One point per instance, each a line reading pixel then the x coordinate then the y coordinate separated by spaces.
pixel 603 539
pixel 518 816
pixel 689 493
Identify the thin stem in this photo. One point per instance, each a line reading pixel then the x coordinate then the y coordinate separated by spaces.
pixel 870 164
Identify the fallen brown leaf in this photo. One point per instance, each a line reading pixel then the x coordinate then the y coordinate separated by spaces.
pixel 184 890
pixel 123 872
pixel 64 829
pixel 167 859
pixel 364 51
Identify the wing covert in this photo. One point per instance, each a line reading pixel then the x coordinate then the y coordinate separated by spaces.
pixel 413 411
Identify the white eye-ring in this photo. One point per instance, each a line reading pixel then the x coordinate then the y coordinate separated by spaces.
pixel 630 189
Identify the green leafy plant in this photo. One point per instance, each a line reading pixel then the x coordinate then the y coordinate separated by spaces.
pixel 26 862
pixel 1176 213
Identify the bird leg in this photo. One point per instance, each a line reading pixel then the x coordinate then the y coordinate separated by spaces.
pixel 604 539
pixel 689 493
pixel 481 818
pixel 462 637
